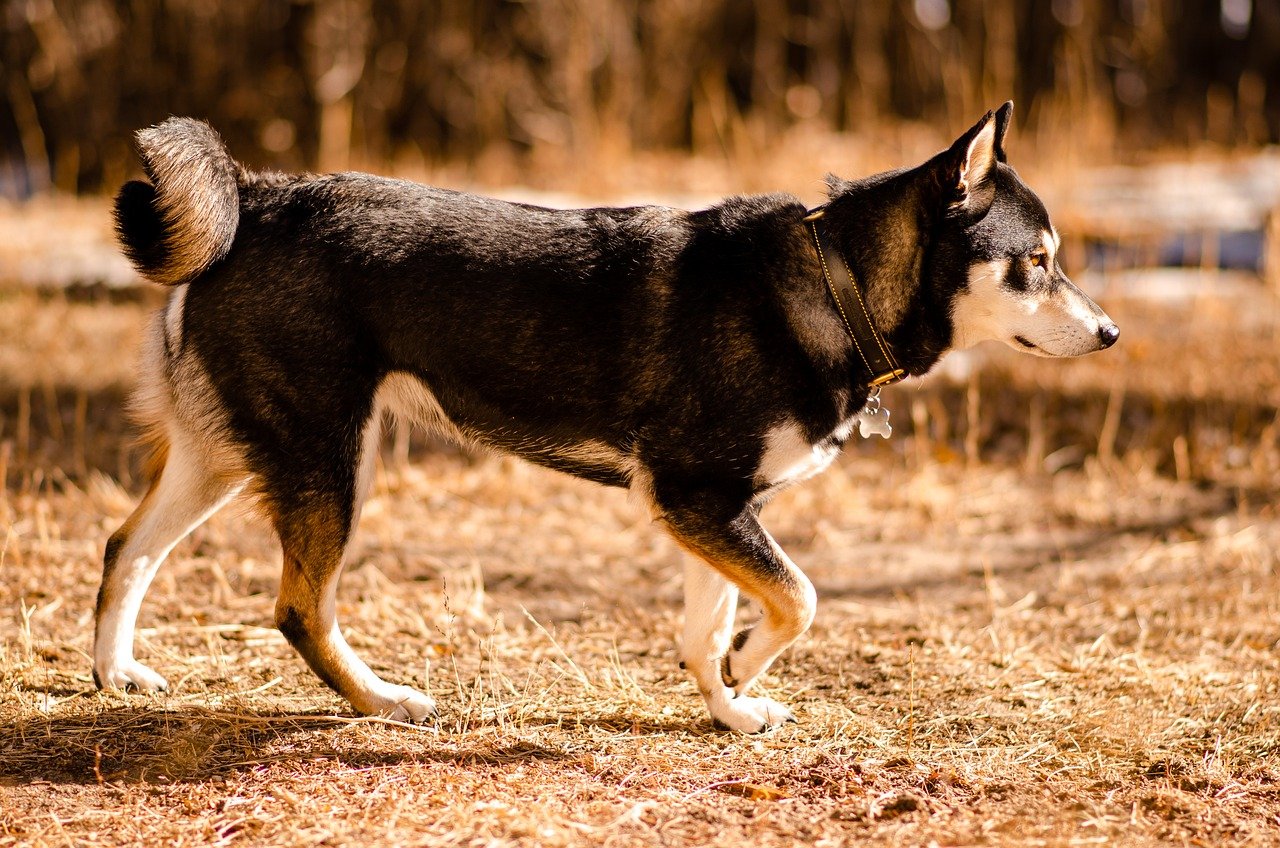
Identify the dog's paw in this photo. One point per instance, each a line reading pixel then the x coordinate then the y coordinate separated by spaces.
pixel 130 676
pixel 399 703
pixel 750 715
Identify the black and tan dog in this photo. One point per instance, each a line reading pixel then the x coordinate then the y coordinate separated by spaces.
pixel 703 359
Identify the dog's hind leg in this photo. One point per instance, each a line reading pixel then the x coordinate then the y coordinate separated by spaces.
pixel 182 496
pixel 315 526
pixel 742 555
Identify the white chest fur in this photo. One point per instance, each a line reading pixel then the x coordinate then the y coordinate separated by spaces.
pixel 790 457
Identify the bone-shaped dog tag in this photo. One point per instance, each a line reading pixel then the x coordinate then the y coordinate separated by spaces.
pixel 873 420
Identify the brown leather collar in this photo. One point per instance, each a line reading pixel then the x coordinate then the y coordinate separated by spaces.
pixel 882 368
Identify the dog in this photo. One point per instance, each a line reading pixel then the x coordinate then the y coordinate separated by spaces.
pixel 703 359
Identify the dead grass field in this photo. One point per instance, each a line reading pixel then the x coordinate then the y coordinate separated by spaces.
pixel 1049 615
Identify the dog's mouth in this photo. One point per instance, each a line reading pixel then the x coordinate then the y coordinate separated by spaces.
pixel 1025 345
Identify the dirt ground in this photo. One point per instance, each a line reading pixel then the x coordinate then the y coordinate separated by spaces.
pixel 1048 616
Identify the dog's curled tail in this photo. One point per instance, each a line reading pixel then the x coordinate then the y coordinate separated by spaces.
pixel 184 220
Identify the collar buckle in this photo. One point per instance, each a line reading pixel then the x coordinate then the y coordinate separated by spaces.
pixel 889 377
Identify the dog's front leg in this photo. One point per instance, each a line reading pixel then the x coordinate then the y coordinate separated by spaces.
pixel 734 554
pixel 710 602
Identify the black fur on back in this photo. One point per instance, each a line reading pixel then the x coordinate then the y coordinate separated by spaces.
pixel 653 332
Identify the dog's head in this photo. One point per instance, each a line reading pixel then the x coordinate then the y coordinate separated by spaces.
pixel 996 255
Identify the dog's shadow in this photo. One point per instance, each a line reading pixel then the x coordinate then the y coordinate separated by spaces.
pixel 152 744
pixel 156 745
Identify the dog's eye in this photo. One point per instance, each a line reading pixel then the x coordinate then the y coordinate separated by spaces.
pixel 1040 259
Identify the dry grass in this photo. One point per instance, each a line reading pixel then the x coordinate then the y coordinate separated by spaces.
pixel 1004 654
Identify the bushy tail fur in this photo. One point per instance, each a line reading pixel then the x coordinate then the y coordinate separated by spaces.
pixel 184 220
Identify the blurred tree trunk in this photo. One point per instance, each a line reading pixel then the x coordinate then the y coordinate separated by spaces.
pixel 335 83
pixel 339 43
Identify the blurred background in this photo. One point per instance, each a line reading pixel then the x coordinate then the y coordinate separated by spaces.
pixel 493 86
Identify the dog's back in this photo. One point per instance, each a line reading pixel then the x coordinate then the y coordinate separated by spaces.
pixel 537 331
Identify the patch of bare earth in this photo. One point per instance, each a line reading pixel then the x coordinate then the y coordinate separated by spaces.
pixel 1048 615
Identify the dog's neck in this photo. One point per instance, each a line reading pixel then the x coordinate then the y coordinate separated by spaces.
pixel 877 226
pixel 873 351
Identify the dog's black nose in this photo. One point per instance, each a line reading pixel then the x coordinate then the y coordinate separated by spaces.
pixel 1107 334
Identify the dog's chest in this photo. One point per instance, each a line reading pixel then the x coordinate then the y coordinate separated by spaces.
pixel 790 456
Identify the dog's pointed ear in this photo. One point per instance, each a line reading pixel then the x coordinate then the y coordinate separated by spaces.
pixel 1004 115
pixel 967 170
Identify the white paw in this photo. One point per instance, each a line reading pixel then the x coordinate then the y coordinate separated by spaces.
pixel 129 675
pixel 399 703
pixel 749 715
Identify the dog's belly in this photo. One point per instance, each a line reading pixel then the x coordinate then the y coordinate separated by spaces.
pixel 406 396
pixel 591 460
